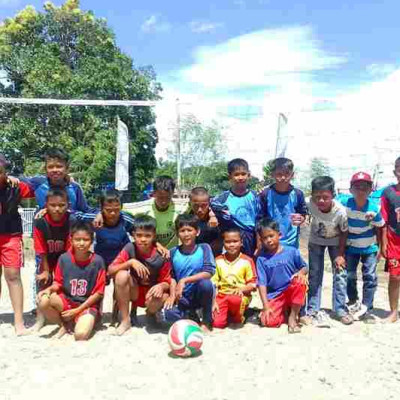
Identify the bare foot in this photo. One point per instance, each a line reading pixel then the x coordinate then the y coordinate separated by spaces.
pixel 61 332
pixel 123 327
pixel 391 318
pixel 305 320
pixel 205 328
pixel 21 331
pixel 40 322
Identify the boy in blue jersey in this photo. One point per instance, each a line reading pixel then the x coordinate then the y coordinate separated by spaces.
pixel 193 265
pixel 363 242
pixel 239 207
pixel 284 203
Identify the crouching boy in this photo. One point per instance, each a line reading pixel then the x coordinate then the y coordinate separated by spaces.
pixel 282 279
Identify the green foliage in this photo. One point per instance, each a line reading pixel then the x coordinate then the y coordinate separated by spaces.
pixel 65 52
pixel 267 174
pixel 319 167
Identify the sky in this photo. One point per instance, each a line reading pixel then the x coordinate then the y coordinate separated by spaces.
pixel 285 56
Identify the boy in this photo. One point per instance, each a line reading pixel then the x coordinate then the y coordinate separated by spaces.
pixel 363 244
pixel 199 205
pixel 282 279
pixel 51 239
pixel 164 211
pixel 328 231
pixel 11 250
pixel 235 280
pixel 78 288
pixel 391 240
pixel 141 274
pixel 239 207
pixel 284 203
pixel 193 266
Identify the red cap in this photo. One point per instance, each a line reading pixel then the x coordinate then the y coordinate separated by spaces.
pixel 361 176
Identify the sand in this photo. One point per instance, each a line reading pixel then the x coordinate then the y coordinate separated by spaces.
pixel 356 362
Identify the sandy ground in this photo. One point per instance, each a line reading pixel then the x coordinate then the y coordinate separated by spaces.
pixel 357 362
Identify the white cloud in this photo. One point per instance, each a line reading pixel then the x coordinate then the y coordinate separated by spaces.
pixel 379 70
pixel 204 26
pixel 153 24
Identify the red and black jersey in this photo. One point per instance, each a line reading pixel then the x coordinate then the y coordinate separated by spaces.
pixel 78 281
pixel 160 269
pixel 10 197
pixel 52 238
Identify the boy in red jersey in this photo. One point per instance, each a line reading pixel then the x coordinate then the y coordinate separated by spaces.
pixel 141 275
pixel 11 251
pixel 235 280
pixel 78 287
pixel 391 241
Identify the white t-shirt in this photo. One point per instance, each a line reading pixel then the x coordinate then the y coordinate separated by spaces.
pixel 326 227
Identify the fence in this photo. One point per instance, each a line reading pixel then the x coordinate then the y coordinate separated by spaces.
pixel 27 220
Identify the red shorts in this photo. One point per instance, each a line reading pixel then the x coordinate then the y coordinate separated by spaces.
pixel 231 307
pixel 393 266
pixel 141 300
pixel 11 251
pixel 295 294
pixel 69 305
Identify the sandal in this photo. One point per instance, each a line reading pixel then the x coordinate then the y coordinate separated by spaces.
pixel 347 319
pixel 294 329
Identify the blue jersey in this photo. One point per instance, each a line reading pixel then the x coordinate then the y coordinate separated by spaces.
pixel 41 185
pixel 188 264
pixel 275 271
pixel 237 211
pixel 279 207
pixel 362 226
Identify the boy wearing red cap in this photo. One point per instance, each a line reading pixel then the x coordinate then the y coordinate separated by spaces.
pixel 390 201
pixel 363 244
pixel 11 251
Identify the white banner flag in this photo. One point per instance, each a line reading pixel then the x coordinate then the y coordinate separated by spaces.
pixel 122 160
pixel 282 137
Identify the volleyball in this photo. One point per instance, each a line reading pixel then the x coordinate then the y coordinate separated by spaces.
pixel 185 338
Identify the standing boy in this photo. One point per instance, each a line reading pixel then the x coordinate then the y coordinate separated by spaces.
pixel 284 203
pixel 11 250
pixel 391 241
pixel 329 229
pixel 141 275
pixel 363 244
pixel 282 279
pixel 193 265
pixel 235 280
pixel 239 207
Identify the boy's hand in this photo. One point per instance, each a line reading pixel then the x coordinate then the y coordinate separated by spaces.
pixel 297 219
pixel 169 303
pixel 45 292
pixel 383 252
pixel 212 221
pixel 163 251
pixel 69 314
pixel 155 291
pixel 301 277
pixel 98 221
pixel 14 182
pixel 41 213
pixel 179 289
pixel 340 263
pixel 215 308
pixel 140 269
pixel 265 315
pixel 43 277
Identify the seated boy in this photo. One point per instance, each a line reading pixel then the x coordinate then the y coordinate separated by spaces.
pixel 239 207
pixel 11 249
pixel 235 280
pixel 193 265
pixel 284 203
pixel 199 205
pixel 363 244
pixel 141 275
pixel 51 238
pixel 282 279
pixel 75 296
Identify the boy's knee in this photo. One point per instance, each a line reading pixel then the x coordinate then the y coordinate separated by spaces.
pixel 81 335
pixel 395 278
pixel 219 324
pixel 12 276
pixel 121 278
pixel 44 303
pixel 205 285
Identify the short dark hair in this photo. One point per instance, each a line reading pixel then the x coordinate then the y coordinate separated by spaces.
pixel 281 163
pixel 232 229
pixel 199 191
pixel 82 226
pixel 186 220
pixel 397 162
pixel 59 154
pixel 164 182
pixel 145 222
pixel 56 191
pixel 237 163
pixel 108 196
pixel 323 183
pixel 267 223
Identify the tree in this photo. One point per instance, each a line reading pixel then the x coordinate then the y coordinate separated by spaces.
pixel 319 167
pixel 65 52
pixel 267 174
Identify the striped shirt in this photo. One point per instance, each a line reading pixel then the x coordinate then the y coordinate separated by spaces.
pixel 362 224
